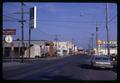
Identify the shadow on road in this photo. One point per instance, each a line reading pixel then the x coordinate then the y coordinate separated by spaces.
pixel 56 77
pixel 88 66
pixel 114 69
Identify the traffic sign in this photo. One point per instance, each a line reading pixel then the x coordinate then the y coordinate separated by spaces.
pixel 110 42
pixel 99 42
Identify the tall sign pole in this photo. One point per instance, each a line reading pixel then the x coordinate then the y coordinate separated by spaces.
pixel 107 30
pixel 99 42
pixel 29 40
pixel 32 23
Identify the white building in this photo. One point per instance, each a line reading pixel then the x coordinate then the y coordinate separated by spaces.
pixel 34 51
pixel 39 48
pixel 102 50
pixel 65 48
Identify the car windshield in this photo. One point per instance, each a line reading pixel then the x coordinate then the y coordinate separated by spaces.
pixel 98 58
pixel 102 58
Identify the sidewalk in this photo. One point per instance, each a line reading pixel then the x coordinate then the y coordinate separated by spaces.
pixel 11 64
pixel 52 58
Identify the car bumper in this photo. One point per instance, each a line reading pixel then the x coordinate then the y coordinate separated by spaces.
pixel 103 65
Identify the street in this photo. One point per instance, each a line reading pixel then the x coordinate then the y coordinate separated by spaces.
pixel 67 68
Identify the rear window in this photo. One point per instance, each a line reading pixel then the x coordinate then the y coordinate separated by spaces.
pixel 105 58
pixel 102 58
pixel 98 58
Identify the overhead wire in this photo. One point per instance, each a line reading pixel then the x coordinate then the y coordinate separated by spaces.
pixel 103 26
pixel 11 17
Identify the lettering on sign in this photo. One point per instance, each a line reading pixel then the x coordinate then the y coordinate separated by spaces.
pixel 9 32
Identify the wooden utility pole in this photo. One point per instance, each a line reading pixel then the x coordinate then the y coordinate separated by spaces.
pixel 107 30
pixel 18 40
pixel 22 35
pixel 92 40
pixel 56 39
pixel 12 51
pixel 97 37
pixel 73 46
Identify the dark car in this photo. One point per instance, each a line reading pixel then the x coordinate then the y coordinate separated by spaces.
pixel 102 61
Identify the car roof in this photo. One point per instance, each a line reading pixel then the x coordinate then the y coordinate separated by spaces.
pixel 102 56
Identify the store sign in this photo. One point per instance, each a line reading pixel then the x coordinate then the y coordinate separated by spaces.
pixel 9 31
pixel 111 42
pixel 32 17
pixel 99 42
pixel 8 39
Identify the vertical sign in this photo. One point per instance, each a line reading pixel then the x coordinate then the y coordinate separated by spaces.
pixel 33 17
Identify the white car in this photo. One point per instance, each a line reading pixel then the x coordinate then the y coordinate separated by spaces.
pixel 102 61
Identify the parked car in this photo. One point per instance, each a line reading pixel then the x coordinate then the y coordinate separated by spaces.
pixel 102 61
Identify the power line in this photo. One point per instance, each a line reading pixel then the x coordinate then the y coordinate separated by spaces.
pixel 9 20
pixel 11 17
pixel 27 5
pixel 66 21
pixel 109 21
pixel 112 18
pixel 45 32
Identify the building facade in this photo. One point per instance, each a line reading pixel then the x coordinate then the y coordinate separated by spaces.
pixel 65 48
pixel 17 52
pixel 39 48
pixel 102 49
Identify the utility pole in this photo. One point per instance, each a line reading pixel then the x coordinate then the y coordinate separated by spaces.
pixel 96 37
pixel 22 29
pixel 3 43
pixel 107 30
pixel 67 48
pixel 74 49
pixel 18 40
pixel 73 46
pixel 56 39
pixel 105 48
pixel 89 46
pixel 29 40
pixel 92 40
pixel 22 26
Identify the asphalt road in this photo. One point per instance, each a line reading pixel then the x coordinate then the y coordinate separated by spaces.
pixel 67 68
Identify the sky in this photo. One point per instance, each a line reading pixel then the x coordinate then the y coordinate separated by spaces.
pixel 68 20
